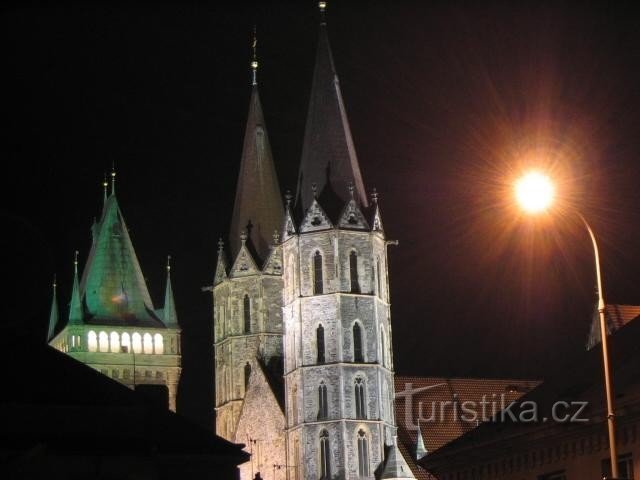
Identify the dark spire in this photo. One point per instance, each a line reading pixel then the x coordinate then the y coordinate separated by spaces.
pixel 53 316
pixel 258 205
pixel 328 153
pixel 75 308
pixel 169 317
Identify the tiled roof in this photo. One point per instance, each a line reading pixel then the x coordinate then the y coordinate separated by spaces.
pixel 616 316
pixel 431 395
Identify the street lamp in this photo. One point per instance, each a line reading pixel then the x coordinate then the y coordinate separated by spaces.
pixel 535 193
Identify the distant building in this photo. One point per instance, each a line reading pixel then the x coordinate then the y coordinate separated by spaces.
pixel 557 450
pixel 112 325
pixel 67 421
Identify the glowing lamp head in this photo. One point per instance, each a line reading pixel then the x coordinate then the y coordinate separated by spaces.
pixel 534 192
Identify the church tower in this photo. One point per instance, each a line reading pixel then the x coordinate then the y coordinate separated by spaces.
pixel 112 324
pixel 247 293
pixel 338 358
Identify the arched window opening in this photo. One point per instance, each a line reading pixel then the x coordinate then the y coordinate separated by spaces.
pixel 247 375
pixel 147 342
pixel 136 341
pixel 103 342
pixel 125 343
pixel 353 271
pixel 158 344
pixel 247 314
pixel 320 343
pixel 325 456
pixel 115 342
pixel 363 454
pixel 323 407
pixel 357 343
pixel 92 341
pixel 361 410
pixel 317 274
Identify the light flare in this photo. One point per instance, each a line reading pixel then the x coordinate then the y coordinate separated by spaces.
pixel 535 192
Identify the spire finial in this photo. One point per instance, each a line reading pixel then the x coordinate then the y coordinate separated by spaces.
pixel 374 195
pixel 55 283
pixel 351 188
pixel 314 189
pixel 243 237
pixel 322 6
pixel 288 197
pixel 254 61
pixel 168 264
pixel 276 237
pixel 113 178
pixel 220 245
pixel 75 262
pixel 104 186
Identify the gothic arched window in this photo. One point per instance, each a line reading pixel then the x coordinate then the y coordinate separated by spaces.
pixel 317 274
pixel 353 272
pixel 115 342
pixel 247 374
pixel 357 343
pixel 363 454
pixel 92 341
pixel 247 314
pixel 147 343
pixel 325 456
pixel 361 410
pixel 103 342
pixel 323 407
pixel 320 343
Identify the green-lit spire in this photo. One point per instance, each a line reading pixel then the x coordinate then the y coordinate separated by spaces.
pixel 75 309
pixel 53 316
pixel 170 317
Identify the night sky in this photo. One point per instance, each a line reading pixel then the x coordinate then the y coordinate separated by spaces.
pixel 447 104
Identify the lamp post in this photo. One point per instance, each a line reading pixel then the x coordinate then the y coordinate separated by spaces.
pixel 535 193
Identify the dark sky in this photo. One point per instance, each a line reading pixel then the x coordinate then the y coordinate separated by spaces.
pixel 447 102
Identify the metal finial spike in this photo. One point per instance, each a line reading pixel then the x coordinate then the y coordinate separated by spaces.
pixel 288 197
pixel 351 188
pixel 314 189
pixel 276 237
pixel 168 263
pixel 254 61
pixel 243 237
pixel 220 245
pixel 113 178
pixel 75 262
pixel 55 282
pixel 105 184
pixel 374 195
pixel 322 6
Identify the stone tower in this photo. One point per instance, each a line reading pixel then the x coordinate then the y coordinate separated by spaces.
pixel 112 324
pixel 247 295
pixel 337 345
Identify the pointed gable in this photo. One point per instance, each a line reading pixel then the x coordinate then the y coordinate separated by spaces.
pixel 352 217
pixel 328 153
pixel 113 287
pixel 288 225
pixel 315 219
pixel 396 466
pixel 273 264
pixel 244 264
pixel 258 204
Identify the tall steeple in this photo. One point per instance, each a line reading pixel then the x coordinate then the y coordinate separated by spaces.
pixel 75 308
pixel 53 316
pixel 328 153
pixel 258 205
pixel 169 316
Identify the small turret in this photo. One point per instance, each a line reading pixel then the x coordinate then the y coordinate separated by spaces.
pixel 169 315
pixel 75 308
pixel 53 316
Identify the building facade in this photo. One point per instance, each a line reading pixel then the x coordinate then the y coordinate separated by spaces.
pixel 303 353
pixel 112 324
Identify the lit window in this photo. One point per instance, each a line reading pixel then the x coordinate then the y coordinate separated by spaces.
pixel 136 341
pixel 115 342
pixel 92 341
pixel 363 454
pixel 147 343
pixel 125 344
pixel 103 342
pixel 158 344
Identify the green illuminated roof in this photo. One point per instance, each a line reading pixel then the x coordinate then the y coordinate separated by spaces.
pixel 113 290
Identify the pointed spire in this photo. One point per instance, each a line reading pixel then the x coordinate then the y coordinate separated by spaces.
pixel 328 154
pixel 258 203
pixel 396 466
pixel 421 450
pixel 170 316
pixel 53 316
pixel 75 309
pixel 254 60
